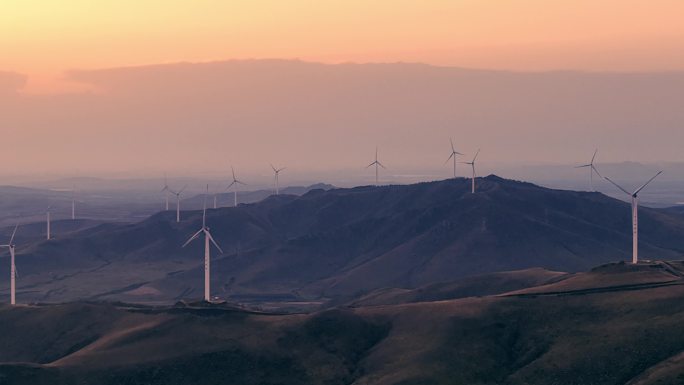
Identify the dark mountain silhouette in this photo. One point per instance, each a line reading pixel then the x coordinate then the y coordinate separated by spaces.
pixel 583 328
pixel 346 242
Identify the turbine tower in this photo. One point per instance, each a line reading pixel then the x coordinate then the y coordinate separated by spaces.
pixel 13 268
pixel 178 194
pixel 166 190
pixel 277 172
pixel 635 216
pixel 472 164
pixel 453 155
pixel 48 222
pixel 377 164
pixel 235 183
pixel 592 169
pixel 73 203
pixel 207 250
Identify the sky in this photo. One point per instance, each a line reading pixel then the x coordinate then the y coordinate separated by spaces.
pixel 44 38
pixel 127 86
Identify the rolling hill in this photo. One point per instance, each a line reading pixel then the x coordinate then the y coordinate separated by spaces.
pixel 583 328
pixel 345 243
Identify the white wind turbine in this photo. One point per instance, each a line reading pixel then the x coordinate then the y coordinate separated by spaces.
pixel 235 183
pixel 13 268
pixel 377 164
pixel 178 195
pixel 635 216
pixel 592 169
pixel 472 164
pixel 277 172
pixel 166 190
pixel 453 156
pixel 207 250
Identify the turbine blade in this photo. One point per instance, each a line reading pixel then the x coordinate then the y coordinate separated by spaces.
pixel 584 165
pixel 370 164
pixel 597 171
pixel 381 165
pixel 594 157
pixel 204 209
pixel 449 158
pixel 281 169
pixel 213 241
pixel 240 182
pixel 452 145
pixel 274 169
pixel 646 184
pixel 230 185
pixel 183 189
pixel 476 154
pixel 233 170
pixel 13 234
pixel 617 185
pixel 193 237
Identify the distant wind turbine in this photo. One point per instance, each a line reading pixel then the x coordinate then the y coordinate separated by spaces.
pixel 635 216
pixel 235 183
pixel 453 155
pixel 472 164
pixel 13 268
pixel 166 190
pixel 277 173
pixel 178 195
pixel 592 169
pixel 377 164
pixel 207 250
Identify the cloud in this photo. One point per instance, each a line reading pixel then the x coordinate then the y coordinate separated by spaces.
pixel 206 116
pixel 11 82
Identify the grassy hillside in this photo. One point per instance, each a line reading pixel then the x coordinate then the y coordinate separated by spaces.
pixel 616 324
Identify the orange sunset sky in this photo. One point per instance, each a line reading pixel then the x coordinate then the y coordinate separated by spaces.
pixel 44 38
pixel 152 86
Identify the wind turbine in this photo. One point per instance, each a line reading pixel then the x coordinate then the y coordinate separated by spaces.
pixel 13 268
pixel 592 169
pixel 377 164
pixel 453 156
pixel 178 194
pixel 635 216
pixel 48 222
pixel 472 164
pixel 277 172
pixel 236 182
pixel 207 250
pixel 166 190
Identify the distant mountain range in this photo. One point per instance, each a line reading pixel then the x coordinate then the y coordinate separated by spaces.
pixel 227 198
pixel 342 243
pixel 109 201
